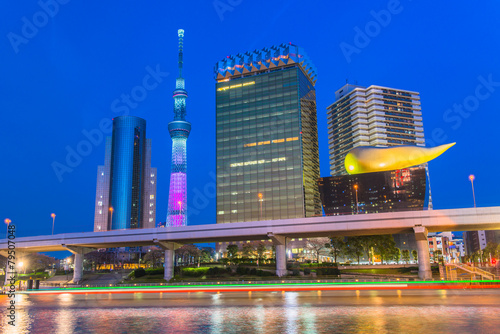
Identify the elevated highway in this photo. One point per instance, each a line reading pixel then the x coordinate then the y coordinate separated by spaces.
pixel 418 222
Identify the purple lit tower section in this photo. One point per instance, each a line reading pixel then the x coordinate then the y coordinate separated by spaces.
pixel 179 130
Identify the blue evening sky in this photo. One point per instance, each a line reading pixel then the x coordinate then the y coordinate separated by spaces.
pixel 64 74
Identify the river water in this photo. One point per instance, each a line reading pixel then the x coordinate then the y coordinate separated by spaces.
pixel 374 311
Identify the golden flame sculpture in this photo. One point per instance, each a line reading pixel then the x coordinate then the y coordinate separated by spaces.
pixel 367 159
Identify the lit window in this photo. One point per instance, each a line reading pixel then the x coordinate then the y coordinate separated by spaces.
pixel 150 220
pixel 221 212
pixel 234 211
pixel 152 182
pixel 99 203
pixel 100 212
pixel 102 173
pixel 300 239
pixel 151 196
pixel 151 204
pixel 150 212
pixel 99 228
pixel 152 175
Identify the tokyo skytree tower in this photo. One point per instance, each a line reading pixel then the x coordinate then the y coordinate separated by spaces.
pixel 179 130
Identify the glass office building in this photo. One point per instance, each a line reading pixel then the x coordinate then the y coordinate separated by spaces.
pixel 126 184
pixel 267 142
pixel 396 190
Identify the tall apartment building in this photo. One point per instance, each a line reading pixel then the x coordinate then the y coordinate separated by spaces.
pixel 267 141
pixel 373 116
pixel 126 183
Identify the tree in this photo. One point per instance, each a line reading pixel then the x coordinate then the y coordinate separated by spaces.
pixel 385 246
pixel 188 253
pixel 414 254
pixel 260 249
pixel 248 250
pixel 368 242
pixel 437 255
pixel 354 247
pixel 38 262
pixel 96 258
pixel 490 250
pixel 205 256
pixel 397 254
pixel 317 246
pixel 154 256
pixel 405 254
pixel 232 252
pixel 337 247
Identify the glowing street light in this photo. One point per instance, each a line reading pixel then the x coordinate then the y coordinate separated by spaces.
pixel 20 265
pixel 472 178
pixel 7 221
pixel 53 215
pixel 111 210
pixel 260 200
pixel 356 188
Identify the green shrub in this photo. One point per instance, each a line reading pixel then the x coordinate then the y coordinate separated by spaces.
pixel 296 272
pixel 155 271
pixel 307 271
pixel 264 273
pixel 195 272
pixel 139 272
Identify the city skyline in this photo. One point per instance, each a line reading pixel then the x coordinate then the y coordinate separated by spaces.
pixel 68 96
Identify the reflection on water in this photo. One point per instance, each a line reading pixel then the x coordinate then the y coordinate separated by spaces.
pixel 451 311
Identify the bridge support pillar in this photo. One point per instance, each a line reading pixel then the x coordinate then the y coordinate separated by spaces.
pixel 169 248
pixel 79 252
pixel 424 260
pixel 279 242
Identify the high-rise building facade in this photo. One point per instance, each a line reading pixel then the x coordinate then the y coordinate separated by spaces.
pixel 126 184
pixel 267 142
pixel 373 116
pixel 179 130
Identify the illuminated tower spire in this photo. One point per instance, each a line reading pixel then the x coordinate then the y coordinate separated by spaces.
pixel 179 130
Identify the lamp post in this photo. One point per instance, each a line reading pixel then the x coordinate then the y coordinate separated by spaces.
pixel 7 221
pixel 111 223
pixel 260 200
pixel 53 215
pixel 471 178
pixel 356 188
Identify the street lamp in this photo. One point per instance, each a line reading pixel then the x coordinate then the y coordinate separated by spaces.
pixel 111 223
pixel 260 200
pixel 7 221
pixel 356 188
pixel 471 178
pixel 53 215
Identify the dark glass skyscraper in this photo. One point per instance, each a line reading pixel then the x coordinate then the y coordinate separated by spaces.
pixel 267 142
pixel 126 184
pixel 396 190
